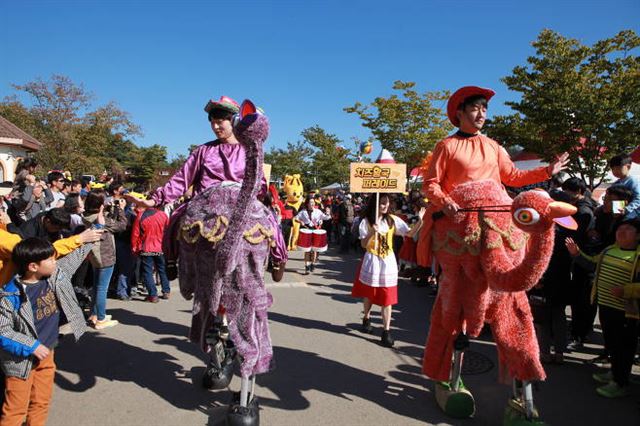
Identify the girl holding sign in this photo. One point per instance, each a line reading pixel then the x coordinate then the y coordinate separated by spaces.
pixel 377 277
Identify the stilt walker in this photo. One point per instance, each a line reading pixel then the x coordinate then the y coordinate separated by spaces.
pixel 477 234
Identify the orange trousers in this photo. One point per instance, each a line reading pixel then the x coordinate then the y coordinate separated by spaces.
pixel 29 398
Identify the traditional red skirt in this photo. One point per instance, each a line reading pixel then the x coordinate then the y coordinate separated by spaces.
pixel 381 296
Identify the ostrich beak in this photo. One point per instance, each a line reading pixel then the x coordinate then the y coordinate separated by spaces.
pixel 561 214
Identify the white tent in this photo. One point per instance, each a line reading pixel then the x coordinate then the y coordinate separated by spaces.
pixel 333 187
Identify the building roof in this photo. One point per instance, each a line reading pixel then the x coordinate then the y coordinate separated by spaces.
pixel 10 134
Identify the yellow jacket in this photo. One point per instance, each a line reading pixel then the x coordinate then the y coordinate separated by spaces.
pixel 8 241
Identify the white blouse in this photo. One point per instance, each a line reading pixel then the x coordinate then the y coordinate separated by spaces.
pixel 315 220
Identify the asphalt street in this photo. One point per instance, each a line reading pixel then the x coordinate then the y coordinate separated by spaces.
pixel 146 372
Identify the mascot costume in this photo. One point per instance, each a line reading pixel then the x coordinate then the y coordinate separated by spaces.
pixel 225 236
pixel 491 251
pixel 294 191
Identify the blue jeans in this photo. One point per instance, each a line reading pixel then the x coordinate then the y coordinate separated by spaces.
pixel 147 274
pixel 101 279
pixel 125 266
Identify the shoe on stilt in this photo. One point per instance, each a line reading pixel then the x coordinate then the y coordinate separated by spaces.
pixel 366 326
pixel 458 404
pixel 386 340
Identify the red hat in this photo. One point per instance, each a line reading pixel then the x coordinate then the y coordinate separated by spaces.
pixel 225 103
pixel 460 95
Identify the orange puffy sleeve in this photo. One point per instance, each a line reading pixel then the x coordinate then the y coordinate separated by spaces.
pixel 434 176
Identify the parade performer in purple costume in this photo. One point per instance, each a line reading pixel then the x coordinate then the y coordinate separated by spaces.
pixel 210 164
pixel 225 237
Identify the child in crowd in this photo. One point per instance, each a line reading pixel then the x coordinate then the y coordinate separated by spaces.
pixel 616 267
pixel 30 307
pixel 621 168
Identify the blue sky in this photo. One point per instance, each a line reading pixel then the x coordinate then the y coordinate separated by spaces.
pixel 302 61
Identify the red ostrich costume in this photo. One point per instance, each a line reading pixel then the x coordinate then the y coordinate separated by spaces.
pixel 490 251
pixel 490 261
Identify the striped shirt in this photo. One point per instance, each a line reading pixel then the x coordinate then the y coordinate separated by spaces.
pixel 616 269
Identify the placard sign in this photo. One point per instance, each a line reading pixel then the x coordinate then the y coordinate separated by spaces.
pixel 376 177
pixel 267 171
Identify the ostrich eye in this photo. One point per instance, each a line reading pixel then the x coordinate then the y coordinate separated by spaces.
pixel 526 216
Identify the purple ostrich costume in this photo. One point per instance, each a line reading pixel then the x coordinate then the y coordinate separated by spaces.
pixel 225 236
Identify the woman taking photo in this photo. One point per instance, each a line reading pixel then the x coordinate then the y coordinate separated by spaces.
pixel 103 253
pixel 377 278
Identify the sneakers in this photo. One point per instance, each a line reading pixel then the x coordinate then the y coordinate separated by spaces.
pixel 386 339
pixel 105 323
pixel 124 297
pixel 603 377
pixel 613 390
pixel 165 296
pixel 152 299
pixel 306 269
pixel 366 326
pixel 94 319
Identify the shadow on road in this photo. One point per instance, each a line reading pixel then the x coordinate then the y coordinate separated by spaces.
pixel 99 356
pixel 305 371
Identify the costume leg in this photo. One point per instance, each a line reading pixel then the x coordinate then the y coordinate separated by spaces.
pixel 515 337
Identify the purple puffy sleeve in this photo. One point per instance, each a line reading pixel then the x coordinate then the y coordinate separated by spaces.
pixel 180 181
pixel 279 252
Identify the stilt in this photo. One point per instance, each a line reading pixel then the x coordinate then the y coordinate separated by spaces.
pixel 521 410
pixel 452 396
pixel 244 409
pixel 219 371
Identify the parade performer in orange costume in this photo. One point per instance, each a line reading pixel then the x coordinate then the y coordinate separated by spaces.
pixel 478 166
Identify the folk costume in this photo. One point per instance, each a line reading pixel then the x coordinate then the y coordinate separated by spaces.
pixel 377 275
pixel 487 261
pixel 211 164
pixel 462 158
pixel 318 242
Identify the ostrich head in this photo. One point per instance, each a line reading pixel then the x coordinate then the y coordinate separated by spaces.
pixel 535 211
pixel 251 126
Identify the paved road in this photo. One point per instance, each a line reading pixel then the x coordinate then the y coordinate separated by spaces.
pixel 328 373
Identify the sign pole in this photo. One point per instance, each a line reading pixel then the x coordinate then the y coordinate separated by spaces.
pixel 375 247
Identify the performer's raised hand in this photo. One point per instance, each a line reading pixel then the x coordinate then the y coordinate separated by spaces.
pixel 559 164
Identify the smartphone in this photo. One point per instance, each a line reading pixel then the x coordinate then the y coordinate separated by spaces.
pixel 618 206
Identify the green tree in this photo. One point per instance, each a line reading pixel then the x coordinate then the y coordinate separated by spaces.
pixel 145 163
pixel 581 99
pixel 408 125
pixel 74 136
pixel 296 158
pixel 330 159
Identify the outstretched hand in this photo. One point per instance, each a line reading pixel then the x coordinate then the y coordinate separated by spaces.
pixel 139 201
pixel 559 164
pixel 571 246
